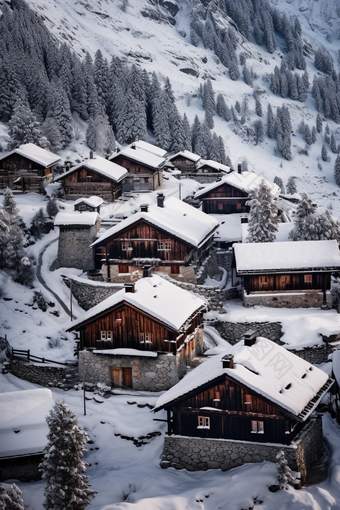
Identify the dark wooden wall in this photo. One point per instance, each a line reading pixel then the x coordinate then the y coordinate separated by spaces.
pixel 232 418
pixel 224 199
pixel 183 164
pixel 286 282
pixel 133 166
pixel 85 182
pixel 32 174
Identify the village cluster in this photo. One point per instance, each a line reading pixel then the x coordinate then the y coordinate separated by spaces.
pixel 242 405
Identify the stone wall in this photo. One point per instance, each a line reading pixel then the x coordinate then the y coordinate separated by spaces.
pixel 74 247
pixel 288 300
pixel 233 332
pixel 43 374
pixel 89 293
pixel 213 295
pixel 199 454
pixel 317 354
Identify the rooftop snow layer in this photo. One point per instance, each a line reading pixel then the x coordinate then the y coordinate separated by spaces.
pixel 75 218
pixel 246 181
pixel 23 426
pixel 176 217
pixel 36 154
pixel 101 166
pixel 142 156
pixel 154 296
pixel 92 201
pixel 145 146
pixel 291 255
pixel 265 367
pixel 186 154
pixel 214 164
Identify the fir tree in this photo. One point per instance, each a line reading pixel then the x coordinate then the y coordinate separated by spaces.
pixel 305 209
pixel 11 499
pixel 263 218
pixel 291 186
pixel 279 182
pixel 324 153
pixel 52 207
pixel 258 131
pixel 284 474
pixel 66 487
pixel 23 126
pixel 270 122
pixel 337 170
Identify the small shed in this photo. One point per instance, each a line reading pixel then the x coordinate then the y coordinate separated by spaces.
pixel 91 204
pixel 141 337
pixel 94 177
pixel 23 431
pixel 27 168
pixel 287 274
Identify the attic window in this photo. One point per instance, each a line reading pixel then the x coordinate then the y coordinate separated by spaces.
pixel 145 338
pixel 163 245
pixel 257 427
pixel 126 245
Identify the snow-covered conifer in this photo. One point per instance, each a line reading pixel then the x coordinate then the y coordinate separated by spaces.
pixel 23 126
pixel 319 121
pixel 258 131
pixel 305 209
pixel 337 170
pixel 279 182
pixel 270 122
pixel 324 153
pixel 62 468
pixel 291 185
pixel 11 499
pixel 284 473
pixel 263 218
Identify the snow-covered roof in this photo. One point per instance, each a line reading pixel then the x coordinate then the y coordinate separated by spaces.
pixel 155 296
pixel 245 181
pixel 266 368
pixel 214 164
pixel 101 166
pixel 36 154
pixel 176 217
pixel 127 352
pixel 290 256
pixel 92 201
pixel 145 146
pixel 229 229
pixel 141 156
pixel 74 218
pixel 186 154
pixel 23 426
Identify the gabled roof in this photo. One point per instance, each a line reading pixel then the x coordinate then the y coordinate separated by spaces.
pixel 214 164
pixel 266 368
pixel 186 154
pixel 155 296
pixel 76 218
pixel 145 146
pixel 289 255
pixel 141 156
pixel 36 154
pixel 92 201
pixel 101 166
pixel 23 426
pixel 246 181
pixel 176 217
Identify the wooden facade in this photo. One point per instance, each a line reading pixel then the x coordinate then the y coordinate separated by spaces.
pixel 141 176
pixel 226 409
pixel 126 326
pixel 86 182
pixel 22 174
pixel 184 164
pixel 224 199
pixel 287 282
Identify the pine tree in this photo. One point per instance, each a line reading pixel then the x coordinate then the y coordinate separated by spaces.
pixel 291 186
pixel 305 209
pixel 284 474
pixel 23 126
pixel 66 487
pixel 333 144
pixel 270 122
pixel 263 218
pixel 38 224
pixel 52 207
pixel 258 131
pixel 10 499
pixel 337 170
pixel 279 182
pixel 324 153
pixel 319 121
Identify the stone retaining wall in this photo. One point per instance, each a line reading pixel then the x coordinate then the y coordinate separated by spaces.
pixel 45 375
pixel 89 293
pixel 288 300
pixel 213 295
pixel 233 332
pixel 200 454
pixel 317 354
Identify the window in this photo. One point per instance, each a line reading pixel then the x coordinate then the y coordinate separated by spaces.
pixel 238 206
pixel 126 245
pixel 106 336
pixel 220 207
pixel 123 269
pixel 308 278
pixel 257 427
pixel 203 422
pixel 146 180
pixel 145 338
pixel 247 399
pixel 163 245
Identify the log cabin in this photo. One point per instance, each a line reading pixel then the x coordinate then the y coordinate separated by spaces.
pixel 144 166
pixel 94 177
pixel 91 204
pixel 27 168
pixel 230 193
pixel 23 430
pixel 287 274
pixel 141 337
pixel 172 237
pixel 255 394
pixel 185 161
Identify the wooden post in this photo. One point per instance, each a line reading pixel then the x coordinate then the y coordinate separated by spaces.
pixel 28 354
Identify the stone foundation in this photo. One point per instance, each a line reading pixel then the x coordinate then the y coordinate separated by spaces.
pixel 43 374
pixel 233 332
pixel 198 454
pixel 89 293
pixel 288 300
pixel 186 273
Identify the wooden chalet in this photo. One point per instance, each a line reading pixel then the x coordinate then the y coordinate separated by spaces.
pixel 149 327
pixel 28 168
pixel 259 392
pixel 94 177
pixel 208 166
pixel 287 274
pixel 144 166
pixel 23 430
pixel 230 193
pixel 185 161
pixel 91 204
pixel 171 237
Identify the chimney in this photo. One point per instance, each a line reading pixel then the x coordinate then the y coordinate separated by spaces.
pixel 244 219
pixel 228 361
pixel 146 271
pixel 250 337
pixel 91 154
pixel 239 168
pixel 144 207
pixel 130 287
pixel 160 199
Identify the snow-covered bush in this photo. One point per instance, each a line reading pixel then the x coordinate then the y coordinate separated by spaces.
pixel 284 473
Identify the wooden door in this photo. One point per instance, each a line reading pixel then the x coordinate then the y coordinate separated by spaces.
pixel 121 377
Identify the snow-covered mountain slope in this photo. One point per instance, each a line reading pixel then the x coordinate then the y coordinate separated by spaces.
pixel 156 36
